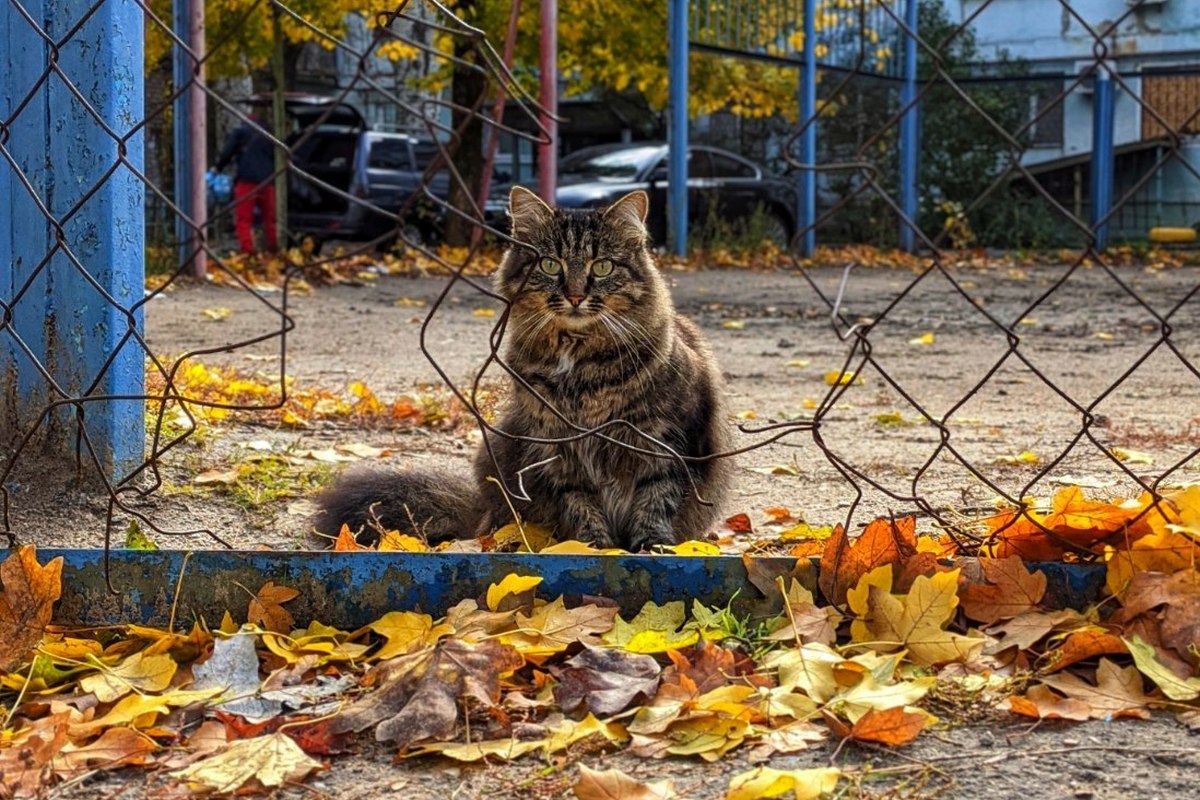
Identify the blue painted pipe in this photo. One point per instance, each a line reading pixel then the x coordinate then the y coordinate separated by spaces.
pixel 677 74
pixel 1103 156
pixel 348 590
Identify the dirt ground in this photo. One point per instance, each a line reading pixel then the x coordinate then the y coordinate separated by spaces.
pixel 1076 344
pixel 772 333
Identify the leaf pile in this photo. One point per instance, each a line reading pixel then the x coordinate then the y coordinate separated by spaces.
pixel 212 394
pixel 262 700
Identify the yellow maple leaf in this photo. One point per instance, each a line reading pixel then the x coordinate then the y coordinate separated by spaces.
pixel 552 628
pixel 655 629
pixel 917 621
pixel 694 548
pixel 801 784
pixel 512 584
pixel 140 672
pixel 405 631
pixel 271 760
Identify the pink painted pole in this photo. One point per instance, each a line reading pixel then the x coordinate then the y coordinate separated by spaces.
pixel 198 117
pixel 548 152
pixel 493 144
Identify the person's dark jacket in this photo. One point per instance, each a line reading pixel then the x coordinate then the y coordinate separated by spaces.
pixel 254 153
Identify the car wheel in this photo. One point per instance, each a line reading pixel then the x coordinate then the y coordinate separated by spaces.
pixel 775 229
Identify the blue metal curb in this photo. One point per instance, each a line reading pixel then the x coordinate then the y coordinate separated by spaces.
pixel 348 590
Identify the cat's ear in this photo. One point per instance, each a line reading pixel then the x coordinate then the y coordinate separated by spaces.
pixel 527 211
pixel 630 210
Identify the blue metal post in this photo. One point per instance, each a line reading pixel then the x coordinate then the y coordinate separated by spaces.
pixel 181 73
pixel 808 139
pixel 677 56
pixel 1103 157
pixel 69 272
pixel 910 132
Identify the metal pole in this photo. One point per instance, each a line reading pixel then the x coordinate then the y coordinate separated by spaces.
pixel 808 139
pixel 181 73
pixel 548 151
pixel 493 133
pixel 79 270
pixel 278 126
pixel 1103 157
pixel 198 155
pixel 677 55
pixel 910 132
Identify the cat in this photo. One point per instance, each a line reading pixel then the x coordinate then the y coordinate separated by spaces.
pixel 595 338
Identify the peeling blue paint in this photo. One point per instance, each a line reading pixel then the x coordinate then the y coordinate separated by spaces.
pixel 349 590
pixel 63 152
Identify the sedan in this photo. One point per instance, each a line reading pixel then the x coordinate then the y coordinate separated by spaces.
pixel 723 188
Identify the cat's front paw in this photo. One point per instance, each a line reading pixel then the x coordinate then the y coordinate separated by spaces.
pixel 646 539
pixel 597 536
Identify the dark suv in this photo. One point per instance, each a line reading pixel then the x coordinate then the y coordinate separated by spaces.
pixel 378 170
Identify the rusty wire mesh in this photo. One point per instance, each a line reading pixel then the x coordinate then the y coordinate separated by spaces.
pixel 434 31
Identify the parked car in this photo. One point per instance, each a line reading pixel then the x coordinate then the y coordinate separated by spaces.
pixel 721 186
pixel 333 143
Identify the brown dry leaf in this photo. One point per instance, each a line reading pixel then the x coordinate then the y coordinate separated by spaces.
pixel 266 608
pixel 1026 630
pixel 1041 703
pixel 1083 644
pixel 704 667
pixel 881 542
pixel 1011 590
pixel 30 591
pixel 117 747
pixel 612 784
pixel 418 695
pixel 1117 693
pixel 263 762
pixel 1178 596
pixel 605 681
pixel 739 523
pixel 892 726
pixel 345 541
pixel 25 769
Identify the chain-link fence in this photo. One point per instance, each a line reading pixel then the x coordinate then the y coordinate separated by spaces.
pixel 388 127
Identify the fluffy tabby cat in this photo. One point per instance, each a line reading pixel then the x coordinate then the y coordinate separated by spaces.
pixel 594 332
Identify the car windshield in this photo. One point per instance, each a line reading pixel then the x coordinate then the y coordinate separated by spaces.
pixel 608 164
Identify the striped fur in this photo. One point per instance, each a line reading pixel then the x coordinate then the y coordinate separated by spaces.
pixel 622 355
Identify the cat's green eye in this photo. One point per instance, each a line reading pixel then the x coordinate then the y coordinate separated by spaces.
pixel 602 268
pixel 550 266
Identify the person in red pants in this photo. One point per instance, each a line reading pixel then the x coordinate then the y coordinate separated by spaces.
pixel 253 157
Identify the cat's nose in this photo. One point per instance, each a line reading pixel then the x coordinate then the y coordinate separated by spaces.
pixel 575 299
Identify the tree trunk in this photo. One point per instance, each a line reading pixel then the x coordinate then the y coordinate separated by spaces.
pixel 467 93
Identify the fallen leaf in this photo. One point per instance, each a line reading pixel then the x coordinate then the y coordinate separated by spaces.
pixel 1117 693
pixel 739 523
pixel 655 629
pixel 266 608
pixel 892 726
pixel 1081 644
pixel 694 548
pixel 25 770
pixel 733 324
pixel 264 762
pixel 233 670
pixel 552 627
pixel 800 784
pixel 30 591
pixel 843 563
pixel 1041 703
pixel 1173 686
pixel 116 747
pixel 406 631
pixel 517 587
pixel 915 621
pixel 841 378
pixel 924 339
pixel 612 784
pixel 217 313
pixel 1011 590
pixel 605 681
pixel 137 673
pixel 418 696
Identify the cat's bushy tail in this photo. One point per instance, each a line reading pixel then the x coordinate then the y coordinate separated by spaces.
pixel 433 504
